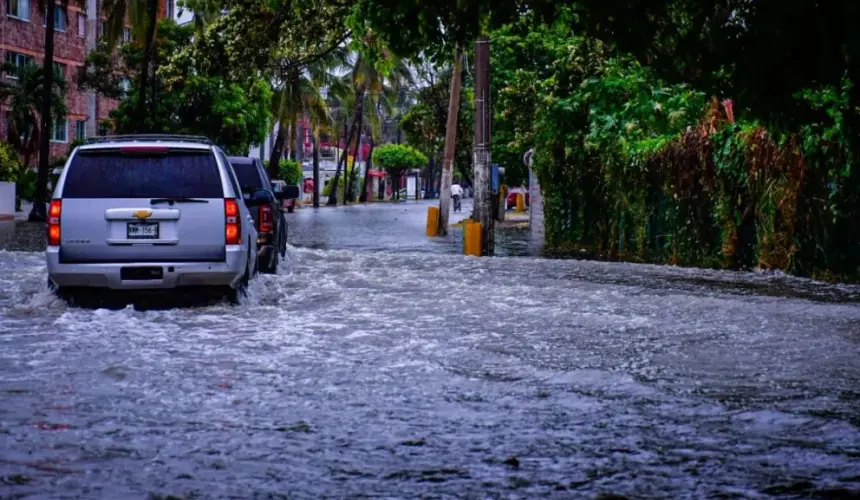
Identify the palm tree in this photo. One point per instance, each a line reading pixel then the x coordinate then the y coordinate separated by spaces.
pixel 283 107
pixel 23 97
pixel 364 78
pixel 39 212
pixel 143 17
pixel 300 94
pixel 394 87
pixel 339 110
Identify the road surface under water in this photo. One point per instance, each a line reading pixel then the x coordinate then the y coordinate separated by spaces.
pixel 377 367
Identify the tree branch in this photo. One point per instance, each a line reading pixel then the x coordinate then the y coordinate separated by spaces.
pixel 304 61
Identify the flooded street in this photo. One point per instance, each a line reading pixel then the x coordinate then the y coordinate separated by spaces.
pixel 382 363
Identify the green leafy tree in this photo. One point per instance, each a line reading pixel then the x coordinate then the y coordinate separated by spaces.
pixel 192 100
pixel 397 159
pixel 10 165
pixel 290 171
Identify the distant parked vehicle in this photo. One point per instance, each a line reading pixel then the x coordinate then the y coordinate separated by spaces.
pixel 512 196
pixel 149 212
pixel 267 213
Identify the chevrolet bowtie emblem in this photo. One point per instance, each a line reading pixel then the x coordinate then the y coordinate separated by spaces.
pixel 142 214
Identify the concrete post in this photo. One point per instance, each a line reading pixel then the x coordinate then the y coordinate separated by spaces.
pixel 484 202
pixel 536 222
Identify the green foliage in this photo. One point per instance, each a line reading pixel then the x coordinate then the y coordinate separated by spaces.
pixel 398 157
pixel 290 171
pixel 341 186
pixel 264 38
pixel 22 98
pixel 191 99
pixel 637 168
pixel 426 121
pixel 10 165
pixel 25 187
pixel 412 27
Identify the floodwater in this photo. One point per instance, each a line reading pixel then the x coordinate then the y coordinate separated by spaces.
pixel 379 363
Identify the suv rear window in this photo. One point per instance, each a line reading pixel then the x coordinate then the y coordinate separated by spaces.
pixel 248 175
pixel 172 174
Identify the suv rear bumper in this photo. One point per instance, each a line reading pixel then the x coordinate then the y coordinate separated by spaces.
pixel 174 275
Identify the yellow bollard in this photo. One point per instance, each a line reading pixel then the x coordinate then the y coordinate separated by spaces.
pixel 521 202
pixel 432 222
pixel 472 243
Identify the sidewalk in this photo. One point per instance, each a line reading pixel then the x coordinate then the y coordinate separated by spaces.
pixel 24 213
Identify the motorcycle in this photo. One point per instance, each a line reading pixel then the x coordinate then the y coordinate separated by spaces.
pixel 456 203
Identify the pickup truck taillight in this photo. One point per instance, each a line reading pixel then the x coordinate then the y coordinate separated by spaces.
pixel 54 214
pixel 232 222
pixel 266 220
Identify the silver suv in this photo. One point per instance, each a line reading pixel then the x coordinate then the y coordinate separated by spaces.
pixel 149 212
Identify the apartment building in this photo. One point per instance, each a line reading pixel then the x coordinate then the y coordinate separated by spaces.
pixel 77 26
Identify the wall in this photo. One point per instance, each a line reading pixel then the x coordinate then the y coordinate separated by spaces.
pixel 70 49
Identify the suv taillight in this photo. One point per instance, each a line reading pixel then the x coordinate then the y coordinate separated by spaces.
pixel 232 222
pixel 266 222
pixel 54 214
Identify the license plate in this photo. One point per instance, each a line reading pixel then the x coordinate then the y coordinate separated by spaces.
pixel 142 230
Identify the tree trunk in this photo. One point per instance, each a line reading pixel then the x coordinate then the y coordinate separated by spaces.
pixel 39 212
pixel 152 19
pixel 363 197
pixel 350 186
pixel 288 142
pixel 450 143
pixel 294 131
pixel 316 193
pixel 30 145
pixel 332 200
pixel 277 151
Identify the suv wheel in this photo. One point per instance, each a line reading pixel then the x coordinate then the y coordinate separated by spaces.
pixel 273 267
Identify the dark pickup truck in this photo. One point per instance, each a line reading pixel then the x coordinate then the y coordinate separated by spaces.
pixel 268 214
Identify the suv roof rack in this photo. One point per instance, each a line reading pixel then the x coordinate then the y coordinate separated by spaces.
pixel 199 139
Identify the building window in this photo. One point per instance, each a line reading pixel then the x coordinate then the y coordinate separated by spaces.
pixel 80 130
pixel 82 25
pixel 61 133
pixel 60 69
pixel 19 9
pixel 18 61
pixel 61 20
pixel 126 34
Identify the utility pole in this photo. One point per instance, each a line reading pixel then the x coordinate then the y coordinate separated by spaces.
pixel 483 211
pixel 450 144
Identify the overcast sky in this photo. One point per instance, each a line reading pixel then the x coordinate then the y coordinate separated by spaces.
pixel 182 16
